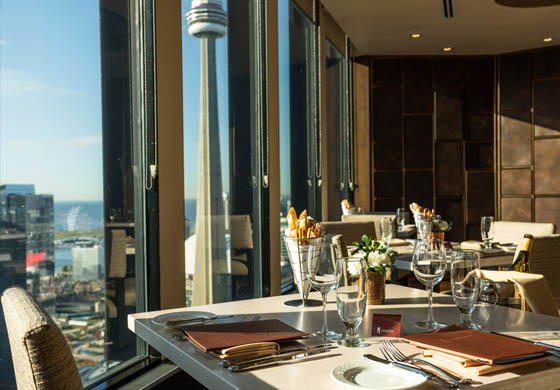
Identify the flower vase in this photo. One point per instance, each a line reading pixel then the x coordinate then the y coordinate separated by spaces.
pixel 375 288
pixel 438 236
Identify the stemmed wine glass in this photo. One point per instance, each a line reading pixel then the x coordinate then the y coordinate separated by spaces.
pixel 465 284
pixel 386 230
pixel 323 276
pixel 487 231
pixel 351 298
pixel 429 264
pixel 401 219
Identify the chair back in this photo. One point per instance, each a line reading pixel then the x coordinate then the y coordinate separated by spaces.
pixel 241 232
pixel 375 218
pixel 341 249
pixel 544 259
pixel 352 231
pixel 505 232
pixel 41 356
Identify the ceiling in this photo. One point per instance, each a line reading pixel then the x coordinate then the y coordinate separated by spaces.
pixel 383 27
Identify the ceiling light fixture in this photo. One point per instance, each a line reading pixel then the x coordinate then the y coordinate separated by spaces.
pixel 415 35
pixel 548 39
pixel 446 49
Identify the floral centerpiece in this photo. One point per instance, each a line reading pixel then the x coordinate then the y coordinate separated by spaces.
pixel 376 258
pixel 440 227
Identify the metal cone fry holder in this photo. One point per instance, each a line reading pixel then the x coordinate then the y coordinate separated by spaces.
pixel 298 252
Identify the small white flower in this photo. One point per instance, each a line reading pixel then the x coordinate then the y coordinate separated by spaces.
pixel 443 225
pixel 354 267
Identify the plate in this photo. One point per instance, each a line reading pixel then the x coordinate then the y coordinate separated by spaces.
pixel 371 375
pixel 162 319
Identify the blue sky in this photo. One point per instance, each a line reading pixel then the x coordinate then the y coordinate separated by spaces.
pixel 50 98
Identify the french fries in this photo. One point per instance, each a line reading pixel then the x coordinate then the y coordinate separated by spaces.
pixel 427 213
pixel 302 227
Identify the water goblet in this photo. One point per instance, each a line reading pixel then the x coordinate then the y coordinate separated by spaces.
pixel 424 228
pixel 351 299
pixel 323 276
pixel 429 264
pixel 487 231
pixel 465 285
pixel 386 230
pixel 401 219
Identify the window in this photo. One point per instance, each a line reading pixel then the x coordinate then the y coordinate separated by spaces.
pixel 299 144
pixel 225 152
pixel 71 214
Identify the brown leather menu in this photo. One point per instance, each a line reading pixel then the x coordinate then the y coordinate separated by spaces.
pixel 476 345
pixel 217 336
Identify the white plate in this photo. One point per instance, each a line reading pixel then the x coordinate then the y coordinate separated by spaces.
pixel 372 375
pixel 181 316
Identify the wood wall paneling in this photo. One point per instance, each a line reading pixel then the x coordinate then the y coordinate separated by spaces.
pixel 516 82
pixel 548 209
pixel 449 169
pixel 452 210
pixel 419 188
pixel 362 138
pixel 449 112
pixel 418 85
pixel 478 127
pixel 547 166
pixel 516 182
pixel 480 195
pixel 516 209
pixel 516 138
pixel 418 141
pixel 547 108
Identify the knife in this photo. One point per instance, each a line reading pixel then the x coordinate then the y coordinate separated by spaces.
pixel 412 368
pixel 553 350
pixel 230 362
pixel 278 358
pixel 196 319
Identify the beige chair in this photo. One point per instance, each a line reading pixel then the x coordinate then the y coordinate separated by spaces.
pixel 544 259
pixel 352 231
pixel 375 218
pixel 41 356
pixel 341 249
pixel 241 244
pixel 512 232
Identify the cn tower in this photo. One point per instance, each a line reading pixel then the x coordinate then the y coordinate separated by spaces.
pixel 208 21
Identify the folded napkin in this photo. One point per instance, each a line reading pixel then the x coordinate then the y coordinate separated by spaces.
pixel 252 350
pixel 533 288
pixel 467 367
pixel 486 348
pixel 472 245
pixel 398 242
pixel 219 336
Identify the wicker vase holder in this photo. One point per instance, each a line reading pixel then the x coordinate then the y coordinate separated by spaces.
pixel 375 288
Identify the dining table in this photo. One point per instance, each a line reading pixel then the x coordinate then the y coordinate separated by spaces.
pixel 315 372
pixel 403 256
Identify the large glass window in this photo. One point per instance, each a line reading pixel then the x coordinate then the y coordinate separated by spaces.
pixel 68 226
pixel 338 140
pixel 225 151
pixel 299 144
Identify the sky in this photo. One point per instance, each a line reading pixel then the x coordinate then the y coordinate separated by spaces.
pixel 50 98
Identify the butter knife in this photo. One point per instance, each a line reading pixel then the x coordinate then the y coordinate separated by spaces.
pixel 278 358
pixel 196 319
pixel 303 349
pixel 413 368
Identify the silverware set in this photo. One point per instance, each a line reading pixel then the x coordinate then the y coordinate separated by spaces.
pixel 392 353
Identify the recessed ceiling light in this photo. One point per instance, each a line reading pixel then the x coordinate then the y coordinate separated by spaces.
pixel 446 49
pixel 548 39
pixel 415 35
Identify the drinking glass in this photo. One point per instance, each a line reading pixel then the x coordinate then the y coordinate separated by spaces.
pixel 401 219
pixel 424 228
pixel 465 285
pixel 351 298
pixel 487 231
pixel 429 264
pixel 323 276
pixel 386 230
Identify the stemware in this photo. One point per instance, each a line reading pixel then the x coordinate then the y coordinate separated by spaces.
pixel 429 264
pixel 351 298
pixel 323 276
pixel 424 228
pixel 386 230
pixel 487 231
pixel 401 219
pixel 465 285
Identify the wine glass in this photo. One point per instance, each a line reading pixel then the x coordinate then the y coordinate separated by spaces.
pixel 386 230
pixel 323 276
pixel 429 264
pixel 465 285
pixel 351 298
pixel 487 231
pixel 401 219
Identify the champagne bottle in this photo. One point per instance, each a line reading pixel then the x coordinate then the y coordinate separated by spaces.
pixel 521 262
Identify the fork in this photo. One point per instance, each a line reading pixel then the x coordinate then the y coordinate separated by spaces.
pixel 391 352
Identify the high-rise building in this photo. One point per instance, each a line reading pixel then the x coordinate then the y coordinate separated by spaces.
pixel 87 263
pixel 26 251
